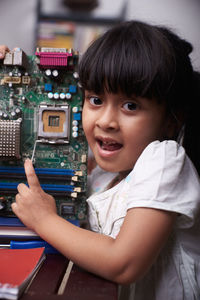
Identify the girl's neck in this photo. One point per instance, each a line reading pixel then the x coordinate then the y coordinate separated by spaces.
pixel 117 179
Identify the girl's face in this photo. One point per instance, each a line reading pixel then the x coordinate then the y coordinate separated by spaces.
pixel 118 129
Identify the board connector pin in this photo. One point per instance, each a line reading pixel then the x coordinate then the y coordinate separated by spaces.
pixel 74 195
pixel 77 189
pixel 79 173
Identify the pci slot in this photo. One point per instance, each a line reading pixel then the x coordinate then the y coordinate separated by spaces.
pixel 41 171
pixel 46 187
pixel 42 177
pixel 66 175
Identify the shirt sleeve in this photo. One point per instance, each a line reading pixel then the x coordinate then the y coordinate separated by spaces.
pixel 165 178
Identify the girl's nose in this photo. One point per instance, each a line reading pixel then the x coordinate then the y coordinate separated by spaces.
pixel 108 120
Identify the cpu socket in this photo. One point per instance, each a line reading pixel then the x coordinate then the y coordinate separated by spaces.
pixel 54 123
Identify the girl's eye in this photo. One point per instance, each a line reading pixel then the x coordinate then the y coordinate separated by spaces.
pixel 95 101
pixel 130 106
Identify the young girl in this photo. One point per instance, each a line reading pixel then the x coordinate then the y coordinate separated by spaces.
pixel 140 107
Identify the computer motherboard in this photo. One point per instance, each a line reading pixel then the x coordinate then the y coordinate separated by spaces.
pixel 40 119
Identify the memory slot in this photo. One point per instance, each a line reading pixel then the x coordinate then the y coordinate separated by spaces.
pixel 6 175
pixel 8 192
pixel 53 193
pixel 63 194
pixel 51 187
pixel 54 171
pixel 45 187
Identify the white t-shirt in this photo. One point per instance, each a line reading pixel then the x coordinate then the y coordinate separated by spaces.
pixel 162 178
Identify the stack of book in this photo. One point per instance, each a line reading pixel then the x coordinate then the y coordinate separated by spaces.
pixel 18 268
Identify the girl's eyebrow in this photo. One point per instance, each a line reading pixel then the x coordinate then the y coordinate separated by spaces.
pixel 91 93
pixel 129 98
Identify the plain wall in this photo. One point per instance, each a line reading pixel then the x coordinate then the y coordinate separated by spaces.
pixel 182 16
pixel 18 24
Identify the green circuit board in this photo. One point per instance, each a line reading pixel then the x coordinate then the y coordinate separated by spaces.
pixel 40 119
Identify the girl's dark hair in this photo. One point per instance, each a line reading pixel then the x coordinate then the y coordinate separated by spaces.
pixel 149 61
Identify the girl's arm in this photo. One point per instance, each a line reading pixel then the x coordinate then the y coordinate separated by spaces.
pixel 123 260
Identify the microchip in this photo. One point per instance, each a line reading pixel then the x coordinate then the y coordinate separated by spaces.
pixel 54 123
pixel 67 209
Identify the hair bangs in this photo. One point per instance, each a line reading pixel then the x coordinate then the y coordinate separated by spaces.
pixel 127 61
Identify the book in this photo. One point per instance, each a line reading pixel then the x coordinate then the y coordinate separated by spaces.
pixel 18 268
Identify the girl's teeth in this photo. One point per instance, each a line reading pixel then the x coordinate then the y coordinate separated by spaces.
pixel 110 146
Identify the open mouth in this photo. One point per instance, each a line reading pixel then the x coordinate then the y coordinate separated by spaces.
pixel 109 145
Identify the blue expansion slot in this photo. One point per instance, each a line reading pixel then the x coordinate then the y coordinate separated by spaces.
pixel 47 187
pixel 39 171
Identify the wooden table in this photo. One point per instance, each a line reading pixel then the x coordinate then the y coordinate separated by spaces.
pixel 81 285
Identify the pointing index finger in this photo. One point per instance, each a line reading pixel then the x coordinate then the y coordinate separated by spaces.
pixel 32 179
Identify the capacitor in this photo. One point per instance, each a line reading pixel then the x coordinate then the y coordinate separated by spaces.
pixel 18 111
pixel 48 87
pixel 48 72
pixel 50 95
pixel 56 96
pixel 75 123
pixel 62 96
pixel 13 114
pixel 72 89
pixel 5 115
pixel 75 128
pixel 55 73
pixel 68 96
pixel 75 74
pixel 75 134
pixel 75 109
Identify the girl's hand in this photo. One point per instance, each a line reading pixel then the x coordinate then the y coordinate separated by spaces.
pixel 3 50
pixel 32 204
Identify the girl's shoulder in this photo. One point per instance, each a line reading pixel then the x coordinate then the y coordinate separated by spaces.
pixel 167 157
pixel 165 178
pixel 167 149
